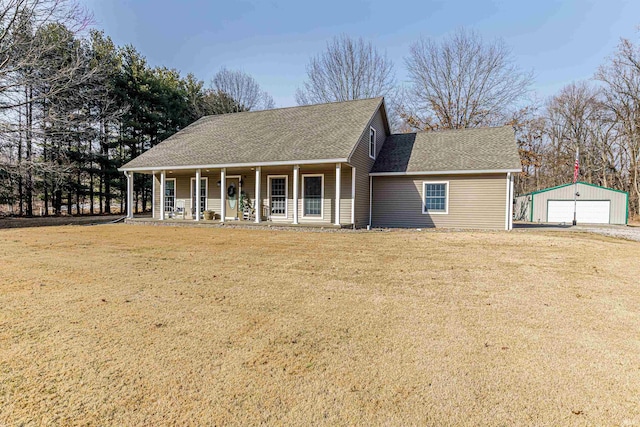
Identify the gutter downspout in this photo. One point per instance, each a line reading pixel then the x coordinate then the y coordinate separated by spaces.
pixel 507 207
pixel 370 199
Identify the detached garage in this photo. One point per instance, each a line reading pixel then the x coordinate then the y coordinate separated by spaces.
pixel 595 205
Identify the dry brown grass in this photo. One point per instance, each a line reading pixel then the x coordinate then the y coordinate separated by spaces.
pixel 134 325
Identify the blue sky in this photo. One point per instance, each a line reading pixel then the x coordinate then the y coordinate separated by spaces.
pixel 561 41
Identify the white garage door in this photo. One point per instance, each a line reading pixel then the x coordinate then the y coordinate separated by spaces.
pixel 587 211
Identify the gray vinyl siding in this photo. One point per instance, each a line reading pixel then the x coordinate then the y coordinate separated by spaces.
pixel 618 205
pixel 345 194
pixel 475 201
pixel 183 191
pixel 363 163
pixel 213 195
pixel 329 172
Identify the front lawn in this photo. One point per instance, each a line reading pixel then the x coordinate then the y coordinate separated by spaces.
pixel 138 325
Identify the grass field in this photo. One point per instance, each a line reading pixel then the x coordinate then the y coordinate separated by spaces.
pixel 134 325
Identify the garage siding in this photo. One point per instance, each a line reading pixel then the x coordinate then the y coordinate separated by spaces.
pixel 475 201
pixel 618 213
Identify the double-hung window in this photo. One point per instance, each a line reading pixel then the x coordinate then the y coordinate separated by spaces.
pixel 312 195
pixel 436 197
pixel 203 194
pixel 278 195
pixel 372 143
pixel 169 194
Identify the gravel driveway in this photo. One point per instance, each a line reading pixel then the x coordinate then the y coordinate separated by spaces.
pixel 619 231
pixel 629 233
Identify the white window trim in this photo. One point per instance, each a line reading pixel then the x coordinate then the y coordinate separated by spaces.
pixel 314 217
pixel 375 142
pixel 192 189
pixel 175 194
pixel 424 194
pixel 286 196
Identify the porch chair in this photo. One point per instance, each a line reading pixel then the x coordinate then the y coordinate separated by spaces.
pixel 179 209
pixel 248 214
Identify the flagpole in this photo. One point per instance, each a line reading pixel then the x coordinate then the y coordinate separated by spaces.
pixel 575 189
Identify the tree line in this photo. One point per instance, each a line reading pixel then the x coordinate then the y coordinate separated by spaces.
pixel 463 81
pixel 74 107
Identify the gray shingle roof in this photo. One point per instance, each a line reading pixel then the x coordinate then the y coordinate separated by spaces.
pixel 452 150
pixel 314 132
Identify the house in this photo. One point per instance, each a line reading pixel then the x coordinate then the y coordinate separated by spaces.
pixel 334 164
pixel 593 205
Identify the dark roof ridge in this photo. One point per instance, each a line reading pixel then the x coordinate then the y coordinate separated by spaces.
pixel 451 130
pixel 291 107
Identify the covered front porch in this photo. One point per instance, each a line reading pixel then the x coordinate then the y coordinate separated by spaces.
pixel 299 194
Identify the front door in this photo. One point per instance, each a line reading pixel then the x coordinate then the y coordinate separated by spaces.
pixel 233 195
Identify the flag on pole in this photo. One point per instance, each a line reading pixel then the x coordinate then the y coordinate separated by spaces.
pixel 576 168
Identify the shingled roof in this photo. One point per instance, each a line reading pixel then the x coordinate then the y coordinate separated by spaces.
pixel 486 149
pixel 314 132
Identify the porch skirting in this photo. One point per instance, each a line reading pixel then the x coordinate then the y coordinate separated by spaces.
pixel 231 224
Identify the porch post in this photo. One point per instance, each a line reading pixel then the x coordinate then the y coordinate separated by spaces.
pixel 257 204
pixel 223 193
pixel 198 184
pixel 129 194
pixel 153 195
pixel 163 186
pixel 353 196
pixel 338 193
pixel 296 173
pixel 511 204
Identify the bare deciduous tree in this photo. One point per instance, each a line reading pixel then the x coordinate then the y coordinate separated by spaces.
pixel 462 82
pixel 621 79
pixel 348 69
pixel 242 91
pixel 21 50
pixel 575 118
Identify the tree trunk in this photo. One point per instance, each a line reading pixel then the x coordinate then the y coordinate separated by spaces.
pixel 20 189
pixel 107 177
pixel 29 142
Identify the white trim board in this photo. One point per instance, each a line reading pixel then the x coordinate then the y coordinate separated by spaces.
pixel 153 196
pixel 234 165
pixel 458 172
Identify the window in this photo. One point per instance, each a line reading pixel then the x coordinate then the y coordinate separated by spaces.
pixel 436 197
pixel 312 195
pixel 278 195
pixel 169 194
pixel 372 143
pixel 203 194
